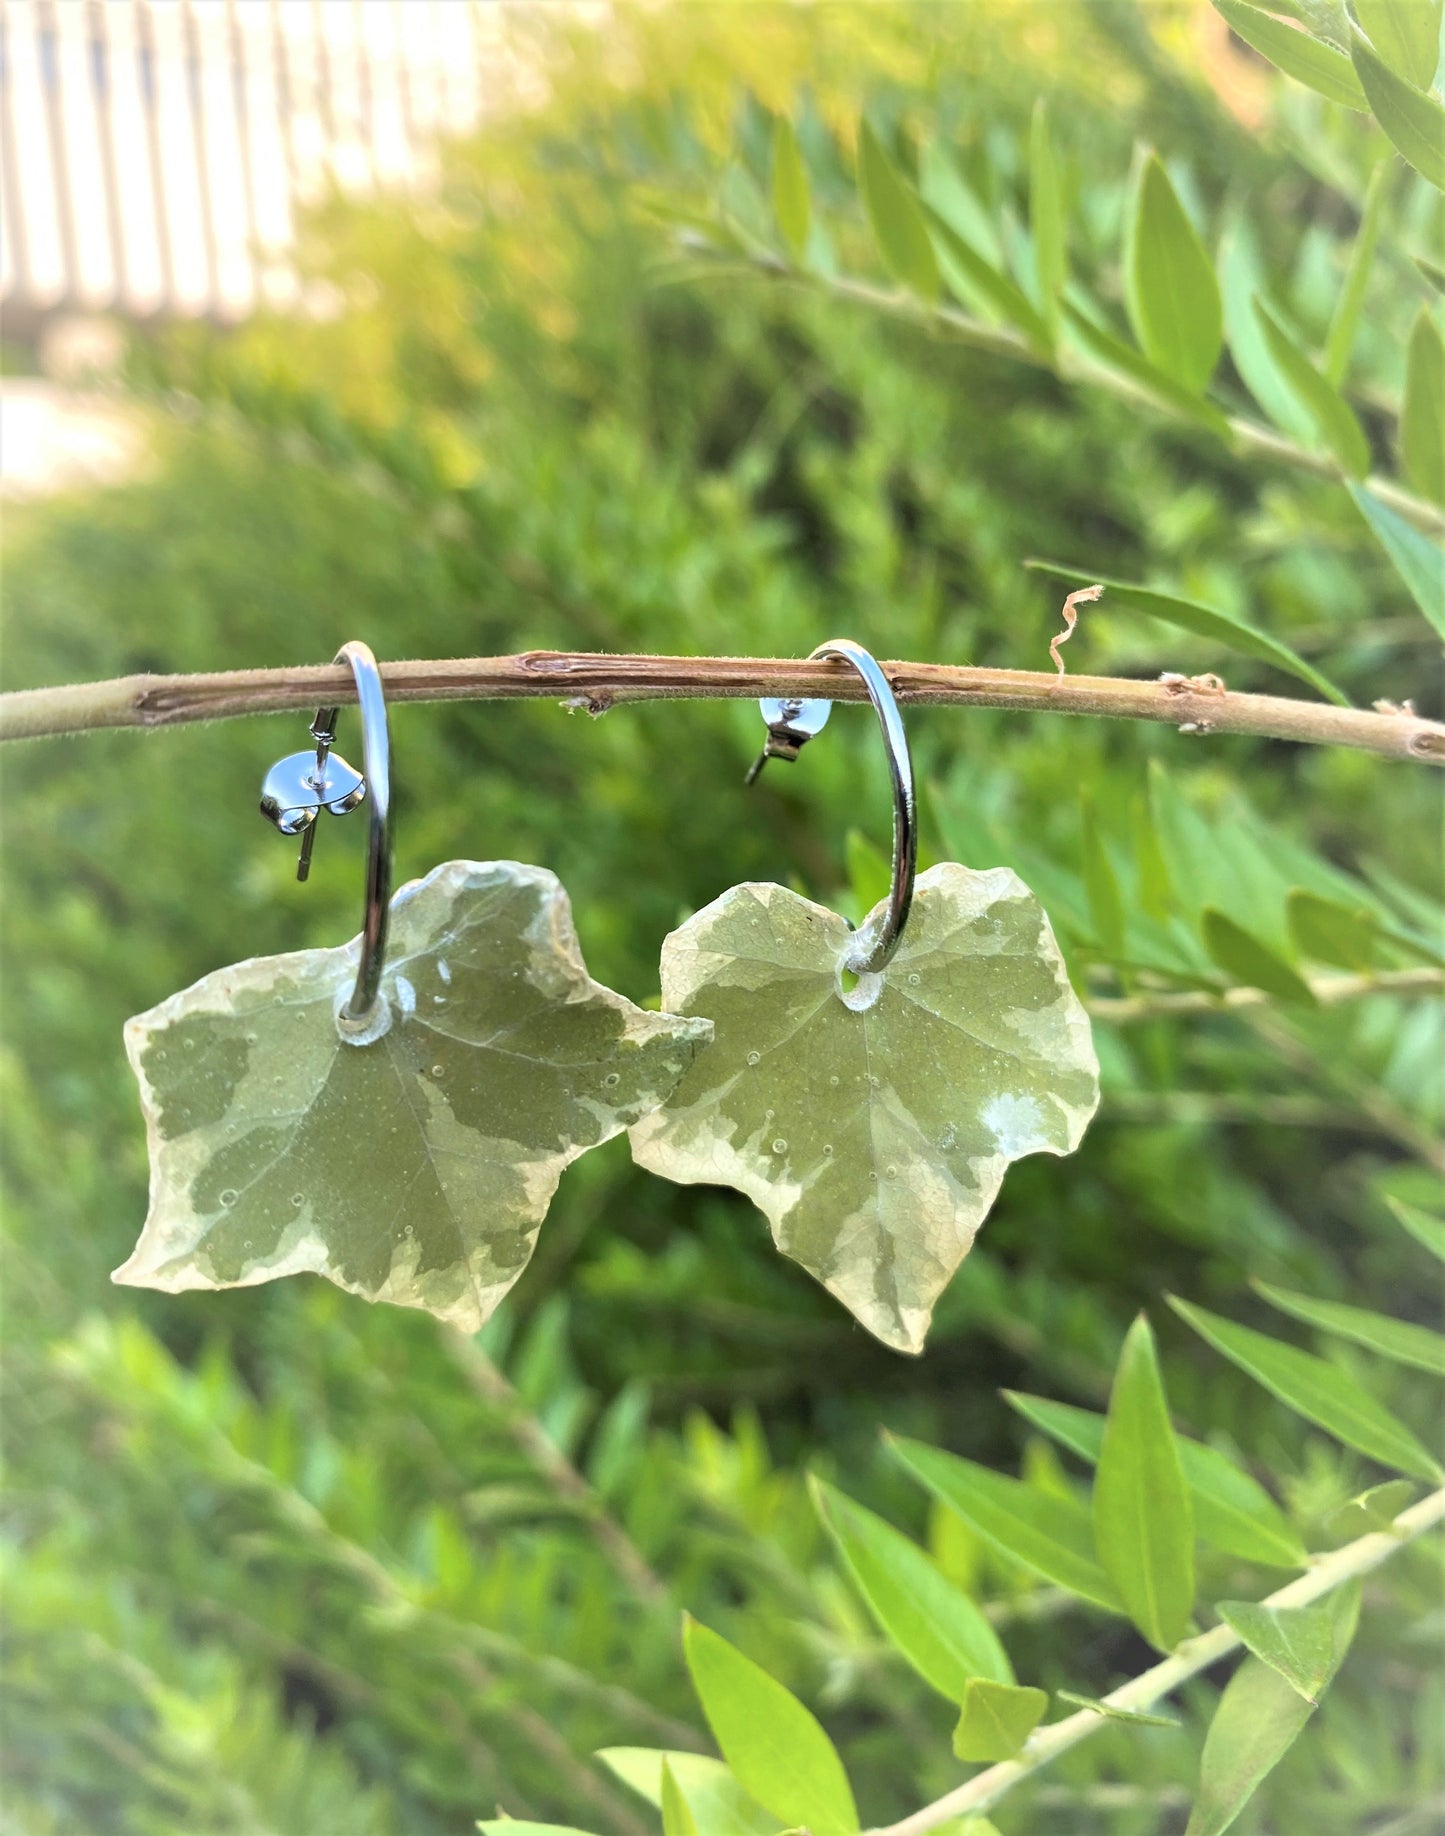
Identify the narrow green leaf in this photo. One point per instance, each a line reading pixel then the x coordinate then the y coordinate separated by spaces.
pixel 1050 1534
pixel 1427 1231
pixel 1327 932
pixel 1399 1340
pixel 1422 416
pixel 1419 561
pixel 1203 621
pixel 719 1805
pixel 1298 1642
pixel 1232 1511
pixel 1335 421
pixel 1107 349
pixel 969 273
pixel 997 1719
pixel 896 215
pixel 1143 1520
pixel 1319 66
pixel 1155 892
pixel 1432 272
pixel 1111 1713
pixel 792 203
pixel 1101 887
pixel 677 1818
pixel 1256 1723
pixel 775 1747
pixel 1321 1392
pixel 1046 213
pixel 1242 277
pixel 933 1623
pixel 1345 320
pixel 511 1826
pixel 1406 33
pixel 1244 959
pixel 1413 120
pixel 1171 289
pixel 1376 1508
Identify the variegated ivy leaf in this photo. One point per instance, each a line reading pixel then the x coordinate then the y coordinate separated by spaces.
pixel 873 1119
pixel 414 1166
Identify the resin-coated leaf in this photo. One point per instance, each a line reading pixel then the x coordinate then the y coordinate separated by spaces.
pixel 873 1124
pixel 414 1167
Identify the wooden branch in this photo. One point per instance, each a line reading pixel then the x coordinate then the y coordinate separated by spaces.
pixel 1327 1573
pixel 595 682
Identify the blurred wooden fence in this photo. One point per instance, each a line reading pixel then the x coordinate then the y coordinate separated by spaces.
pixel 154 151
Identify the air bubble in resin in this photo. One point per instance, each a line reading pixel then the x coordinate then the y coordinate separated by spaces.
pixel 229 1196
pixel 780 1146
pixel 755 1058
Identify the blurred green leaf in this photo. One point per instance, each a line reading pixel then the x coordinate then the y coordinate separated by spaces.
pixel 1422 417
pixel 1046 213
pixel 1242 277
pixel 1298 1642
pixel 792 202
pixel 1413 120
pixel 1427 1231
pixel 1105 348
pixel 1321 1392
pixel 775 1748
pixel 1111 1713
pixel 1101 887
pixel 1250 963
pixel 515 1826
pixel 967 272
pixel 1153 870
pixel 1325 931
pixel 719 1805
pixel 1345 319
pixel 997 1719
pixel 933 1623
pixel 1051 1535
pixel 1406 34
pixel 1335 421
pixel 1319 66
pixel 1419 561
pixel 1203 621
pixel 1432 271
pixel 1171 289
pixel 1231 1510
pixel 1401 1340
pixel 1376 1508
pixel 677 1818
pixel 1143 1521
pixel 899 226
pixel 1258 1719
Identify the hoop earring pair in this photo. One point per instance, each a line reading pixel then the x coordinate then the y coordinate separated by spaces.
pixel 868 1089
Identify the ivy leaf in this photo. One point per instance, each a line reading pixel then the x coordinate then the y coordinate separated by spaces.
pixel 873 1124
pixel 1112 1713
pixel 896 216
pixel 1414 120
pixel 1321 1392
pixel 1422 417
pixel 1400 1340
pixel 1143 1523
pixel 677 1817
pixel 934 1624
pixel 1335 421
pixel 1298 1642
pixel 1256 1723
pixel 1419 562
pixel 997 1719
pixel 1244 959
pixel 1231 1510
pixel 1171 289
pixel 719 1805
pixel 774 1746
pixel 1406 34
pixel 413 1167
pixel 792 204
pixel 1053 1535
pixel 1318 66
pixel 1203 621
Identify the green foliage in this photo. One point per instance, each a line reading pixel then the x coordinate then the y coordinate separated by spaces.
pixel 276 1559
pixel 997 1719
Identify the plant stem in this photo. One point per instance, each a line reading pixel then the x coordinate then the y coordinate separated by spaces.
pixel 1328 990
pixel 593 682
pixel 985 1789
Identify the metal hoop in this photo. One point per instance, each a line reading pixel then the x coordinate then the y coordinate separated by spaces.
pixel 376 768
pixel 875 948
